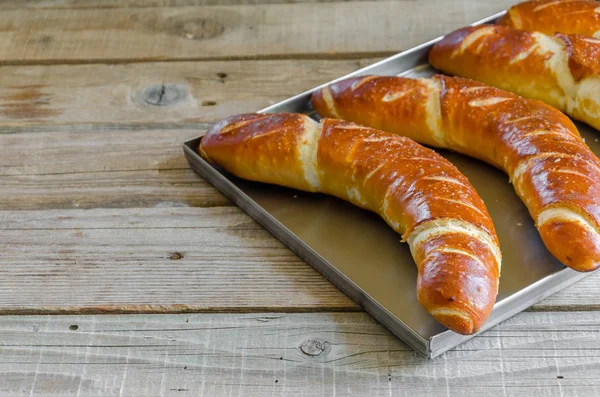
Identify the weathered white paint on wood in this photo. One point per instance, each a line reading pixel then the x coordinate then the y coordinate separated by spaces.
pixel 355 29
pixel 344 354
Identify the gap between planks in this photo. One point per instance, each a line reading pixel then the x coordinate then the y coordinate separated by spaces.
pixel 228 58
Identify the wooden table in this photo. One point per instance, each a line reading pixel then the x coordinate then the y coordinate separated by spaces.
pixel 124 273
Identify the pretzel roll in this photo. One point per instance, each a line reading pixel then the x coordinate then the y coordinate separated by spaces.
pixel 561 70
pixel 552 170
pixel 550 16
pixel 417 192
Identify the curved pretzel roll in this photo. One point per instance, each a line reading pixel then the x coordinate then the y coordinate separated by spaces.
pixel 562 70
pixel 420 195
pixel 552 170
pixel 550 16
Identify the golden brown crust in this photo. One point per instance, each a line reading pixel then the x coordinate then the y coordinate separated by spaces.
pixel 253 138
pixel 421 196
pixel 551 16
pixel 551 168
pixel 562 70
pixel 584 54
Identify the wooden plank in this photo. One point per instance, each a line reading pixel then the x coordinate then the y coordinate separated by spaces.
pixel 68 4
pixel 119 189
pixel 222 32
pixel 169 260
pixel 344 354
pixel 155 93
pixel 152 260
pixel 115 168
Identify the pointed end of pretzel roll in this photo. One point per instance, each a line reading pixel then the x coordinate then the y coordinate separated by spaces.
pixel 571 238
pixel 459 267
pixel 269 148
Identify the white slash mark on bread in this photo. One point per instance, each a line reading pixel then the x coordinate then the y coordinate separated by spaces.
pixel 459 252
pixel 328 99
pixel 442 226
pixel 564 171
pixel 472 38
pixel 434 110
pixel 392 96
pixel 307 148
pixel 444 179
pixel 488 101
pixel 516 19
pixel 224 127
pixel 266 133
pixel 448 312
pixel 591 40
pixel 373 171
pixel 547 132
pixel 552 3
pixel 473 89
pixel 355 197
pixel 362 81
pixel 463 203
pixel 350 127
pixel 558 64
pixel 380 139
pixel 523 165
pixel 565 214
pixel 519 119
pixel 524 54
pixel 384 207
pixel 431 160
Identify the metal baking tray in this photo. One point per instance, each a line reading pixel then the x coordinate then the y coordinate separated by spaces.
pixel 360 254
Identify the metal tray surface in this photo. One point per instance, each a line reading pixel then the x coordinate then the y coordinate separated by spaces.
pixel 360 254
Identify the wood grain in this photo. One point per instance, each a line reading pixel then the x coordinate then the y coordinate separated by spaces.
pixel 170 260
pixel 68 4
pixel 155 93
pixel 152 260
pixel 81 168
pixel 225 32
pixel 326 354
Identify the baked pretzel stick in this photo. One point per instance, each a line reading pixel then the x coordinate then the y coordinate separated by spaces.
pixel 551 16
pixel 416 191
pixel 561 70
pixel 552 170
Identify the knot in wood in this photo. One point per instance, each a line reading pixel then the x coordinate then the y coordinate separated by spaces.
pixel 196 29
pixel 315 347
pixel 164 94
pixel 175 256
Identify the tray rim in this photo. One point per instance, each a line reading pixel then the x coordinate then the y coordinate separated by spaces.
pixel 429 348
